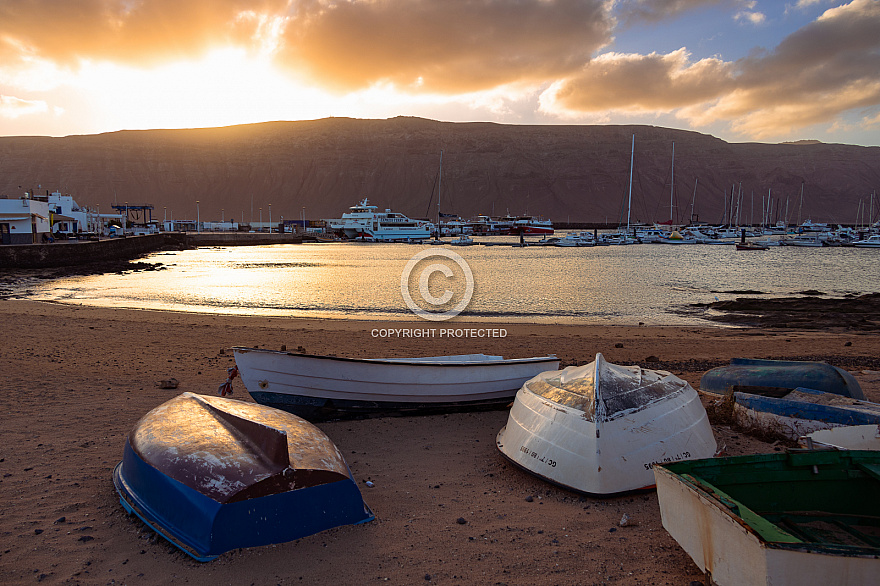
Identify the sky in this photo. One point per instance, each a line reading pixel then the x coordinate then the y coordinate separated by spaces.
pixel 741 70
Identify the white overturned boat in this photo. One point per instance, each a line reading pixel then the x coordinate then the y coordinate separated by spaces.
pixel 319 388
pixel 848 437
pixel 600 428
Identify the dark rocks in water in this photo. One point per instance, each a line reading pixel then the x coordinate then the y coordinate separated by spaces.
pixel 856 313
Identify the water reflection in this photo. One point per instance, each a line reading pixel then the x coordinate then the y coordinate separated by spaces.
pixel 614 284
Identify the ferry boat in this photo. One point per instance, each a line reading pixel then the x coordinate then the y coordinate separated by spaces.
pixel 365 221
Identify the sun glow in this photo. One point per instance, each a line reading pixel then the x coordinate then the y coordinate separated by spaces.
pixel 227 86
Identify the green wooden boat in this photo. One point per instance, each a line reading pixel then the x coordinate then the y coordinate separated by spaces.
pixel 801 517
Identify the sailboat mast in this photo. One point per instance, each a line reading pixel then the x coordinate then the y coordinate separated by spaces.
pixel 672 188
pixel 694 198
pixel 752 208
pixel 730 213
pixel 801 205
pixel 629 203
pixel 439 185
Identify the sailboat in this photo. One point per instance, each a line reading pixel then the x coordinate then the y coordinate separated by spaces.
pixel 627 236
pixel 436 239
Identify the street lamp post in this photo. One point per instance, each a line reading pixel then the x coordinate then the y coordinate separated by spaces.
pixel 198 218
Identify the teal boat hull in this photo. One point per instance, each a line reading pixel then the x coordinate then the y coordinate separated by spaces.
pixel 777 377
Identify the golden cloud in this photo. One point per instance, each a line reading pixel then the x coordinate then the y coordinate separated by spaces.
pixel 449 46
pixel 816 74
pixel 131 32
pixel 12 107
pixel 652 82
pixel 477 48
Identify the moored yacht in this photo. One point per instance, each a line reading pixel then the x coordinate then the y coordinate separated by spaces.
pixel 367 222
pixel 530 225
pixel 871 242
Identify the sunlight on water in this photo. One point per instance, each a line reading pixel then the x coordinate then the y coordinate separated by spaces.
pixel 611 284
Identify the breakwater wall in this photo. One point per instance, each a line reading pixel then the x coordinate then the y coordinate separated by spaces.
pixel 238 238
pixel 66 254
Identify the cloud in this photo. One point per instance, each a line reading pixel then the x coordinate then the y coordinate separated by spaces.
pixel 494 54
pixel 751 16
pixel 660 10
pixel 450 46
pixel 641 83
pixel 12 107
pixel 128 31
pixel 816 74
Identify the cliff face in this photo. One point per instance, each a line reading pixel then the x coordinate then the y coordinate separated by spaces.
pixel 565 173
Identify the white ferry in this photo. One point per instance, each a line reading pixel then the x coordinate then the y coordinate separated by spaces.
pixel 366 222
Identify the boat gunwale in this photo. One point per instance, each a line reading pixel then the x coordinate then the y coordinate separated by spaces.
pixel 405 361
pixel 707 490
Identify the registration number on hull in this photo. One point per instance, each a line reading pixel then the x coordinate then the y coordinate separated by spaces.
pixel 538 457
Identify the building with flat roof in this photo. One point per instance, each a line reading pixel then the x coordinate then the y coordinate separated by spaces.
pixel 24 220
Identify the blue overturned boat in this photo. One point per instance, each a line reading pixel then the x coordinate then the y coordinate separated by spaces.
pixel 211 474
pixel 801 412
pixel 777 378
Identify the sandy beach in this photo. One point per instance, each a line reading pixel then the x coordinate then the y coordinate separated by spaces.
pixel 76 379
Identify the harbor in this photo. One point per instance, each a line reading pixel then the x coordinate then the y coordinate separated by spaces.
pixel 603 284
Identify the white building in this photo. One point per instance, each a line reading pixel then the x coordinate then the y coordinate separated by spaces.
pixel 67 217
pixel 24 220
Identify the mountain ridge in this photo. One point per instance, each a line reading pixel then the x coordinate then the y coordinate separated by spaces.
pixel 575 173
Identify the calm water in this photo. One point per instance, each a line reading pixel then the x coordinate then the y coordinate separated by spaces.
pixel 610 284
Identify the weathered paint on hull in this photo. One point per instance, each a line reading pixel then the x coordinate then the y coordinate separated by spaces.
pixel 718 532
pixel 606 453
pixel 794 418
pixel 212 474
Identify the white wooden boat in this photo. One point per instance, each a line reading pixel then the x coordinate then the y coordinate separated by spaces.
pixel 849 437
pixel 600 428
pixel 319 388
pixel 802 517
